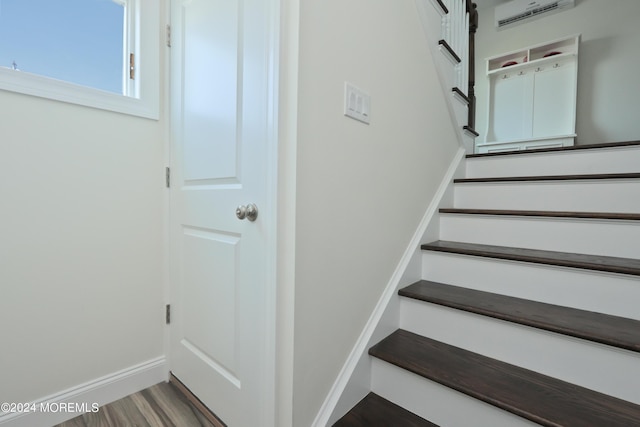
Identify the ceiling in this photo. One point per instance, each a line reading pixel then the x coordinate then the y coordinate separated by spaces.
pixel 483 4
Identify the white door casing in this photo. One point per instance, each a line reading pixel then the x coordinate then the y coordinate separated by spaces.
pixel 223 145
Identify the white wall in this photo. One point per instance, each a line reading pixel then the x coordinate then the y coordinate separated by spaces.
pixel 81 291
pixel 361 190
pixel 609 60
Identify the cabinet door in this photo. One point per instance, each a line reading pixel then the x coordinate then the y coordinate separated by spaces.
pixel 511 107
pixel 554 100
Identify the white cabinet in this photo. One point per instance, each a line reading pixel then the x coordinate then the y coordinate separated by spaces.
pixel 532 97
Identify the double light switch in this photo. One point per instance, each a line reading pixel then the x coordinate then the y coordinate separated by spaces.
pixel 357 104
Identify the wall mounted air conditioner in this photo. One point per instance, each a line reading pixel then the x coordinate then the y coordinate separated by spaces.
pixel 518 11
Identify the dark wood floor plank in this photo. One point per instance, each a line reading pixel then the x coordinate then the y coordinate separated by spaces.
pixel 577 177
pixel 555 149
pixel 75 422
pixel 124 412
pixel 539 398
pixel 152 411
pixel 107 416
pixel 546 214
pixel 202 411
pixel 175 406
pixel 375 411
pixel 589 262
pixel 602 328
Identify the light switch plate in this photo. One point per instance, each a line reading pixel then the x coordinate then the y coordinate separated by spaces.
pixel 357 103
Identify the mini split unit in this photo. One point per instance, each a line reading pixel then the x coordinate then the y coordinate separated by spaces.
pixel 518 11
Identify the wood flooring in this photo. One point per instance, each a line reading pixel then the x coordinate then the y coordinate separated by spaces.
pixel 162 405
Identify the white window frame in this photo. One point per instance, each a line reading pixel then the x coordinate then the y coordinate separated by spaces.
pixel 141 96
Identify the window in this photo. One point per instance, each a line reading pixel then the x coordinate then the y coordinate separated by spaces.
pixel 82 51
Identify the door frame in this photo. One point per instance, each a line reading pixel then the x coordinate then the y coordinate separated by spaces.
pixel 268 212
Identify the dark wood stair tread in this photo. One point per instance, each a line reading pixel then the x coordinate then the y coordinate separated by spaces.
pixel 375 411
pixel 602 328
pixel 449 49
pixel 580 177
pixel 539 398
pixel 555 149
pixel 471 130
pixel 461 94
pixel 443 7
pixel 546 214
pixel 563 259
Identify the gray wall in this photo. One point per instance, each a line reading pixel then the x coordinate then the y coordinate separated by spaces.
pixel 361 190
pixel 81 244
pixel 81 241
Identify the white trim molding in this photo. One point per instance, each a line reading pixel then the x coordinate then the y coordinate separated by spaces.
pixel 142 98
pixel 100 391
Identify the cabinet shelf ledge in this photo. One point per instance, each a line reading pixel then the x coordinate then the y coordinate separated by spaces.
pixel 538 62
pixel 532 139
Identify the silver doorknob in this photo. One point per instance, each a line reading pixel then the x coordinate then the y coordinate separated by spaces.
pixel 250 212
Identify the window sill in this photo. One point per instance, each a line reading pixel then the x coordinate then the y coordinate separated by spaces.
pixel 45 87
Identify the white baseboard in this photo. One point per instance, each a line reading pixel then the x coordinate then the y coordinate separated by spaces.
pixel 362 344
pixel 102 391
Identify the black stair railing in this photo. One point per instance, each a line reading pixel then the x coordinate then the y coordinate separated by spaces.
pixel 472 11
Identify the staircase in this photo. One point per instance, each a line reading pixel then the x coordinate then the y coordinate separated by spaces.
pixel 528 311
pixel 449 27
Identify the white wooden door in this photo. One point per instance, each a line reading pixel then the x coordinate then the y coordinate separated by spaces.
pixel 220 100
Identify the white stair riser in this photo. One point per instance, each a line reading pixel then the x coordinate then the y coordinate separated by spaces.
pixel 596 366
pixel 446 68
pixel 460 108
pixel 614 160
pixel 433 21
pixel 587 236
pixel 587 196
pixel 609 293
pixel 468 141
pixel 437 403
pixel 566 358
